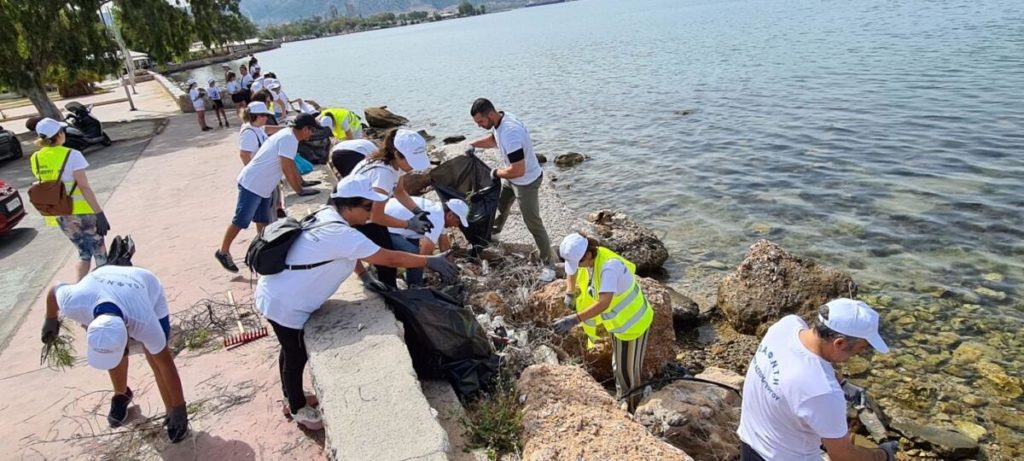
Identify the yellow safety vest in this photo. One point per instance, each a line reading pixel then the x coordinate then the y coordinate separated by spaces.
pixel 46 163
pixel 627 317
pixel 339 116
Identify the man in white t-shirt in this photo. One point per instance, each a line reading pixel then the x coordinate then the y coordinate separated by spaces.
pixel 322 257
pixel 117 303
pixel 793 402
pixel 450 214
pixel 520 173
pixel 259 178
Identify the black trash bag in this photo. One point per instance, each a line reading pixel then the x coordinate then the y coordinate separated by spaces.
pixel 317 149
pixel 121 251
pixel 468 178
pixel 445 340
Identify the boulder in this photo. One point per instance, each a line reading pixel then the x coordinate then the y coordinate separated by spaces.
pixel 685 311
pixel 569 160
pixel 381 117
pixel 453 139
pixel 545 306
pixel 417 183
pixel 426 136
pixel 568 415
pixel 698 418
pixel 542 159
pixel 621 234
pixel 947 443
pixel 771 283
pixel 722 376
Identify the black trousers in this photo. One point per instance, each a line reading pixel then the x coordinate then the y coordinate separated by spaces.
pixel 291 363
pixel 379 234
pixel 344 161
pixel 748 454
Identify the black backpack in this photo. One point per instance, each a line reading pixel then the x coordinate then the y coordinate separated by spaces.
pixel 267 252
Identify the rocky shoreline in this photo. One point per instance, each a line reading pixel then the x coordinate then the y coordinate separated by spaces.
pixel 711 325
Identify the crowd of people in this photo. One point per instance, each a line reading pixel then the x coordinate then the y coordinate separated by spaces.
pixel 794 402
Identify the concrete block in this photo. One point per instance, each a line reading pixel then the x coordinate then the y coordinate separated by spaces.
pixel 371 399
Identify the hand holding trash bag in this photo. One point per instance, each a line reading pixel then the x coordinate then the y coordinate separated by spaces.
pixel 371 283
pixel 439 263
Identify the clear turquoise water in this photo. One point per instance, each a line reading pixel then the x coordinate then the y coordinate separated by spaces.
pixel 886 138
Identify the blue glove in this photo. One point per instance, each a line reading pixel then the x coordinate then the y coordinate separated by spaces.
pixel 890 448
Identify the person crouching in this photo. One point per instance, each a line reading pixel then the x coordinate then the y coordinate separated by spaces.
pixel 319 260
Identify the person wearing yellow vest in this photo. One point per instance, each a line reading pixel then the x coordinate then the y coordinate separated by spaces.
pixel 86 225
pixel 344 124
pixel 603 289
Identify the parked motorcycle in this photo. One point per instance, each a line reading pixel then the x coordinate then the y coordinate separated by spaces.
pixel 83 129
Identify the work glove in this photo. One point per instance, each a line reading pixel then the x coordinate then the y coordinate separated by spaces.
pixel 570 300
pixel 308 192
pixel 419 226
pixel 494 174
pixel 418 213
pixel 372 284
pixel 564 324
pixel 177 424
pixel 890 448
pixel 854 394
pixel 439 263
pixel 102 225
pixel 51 330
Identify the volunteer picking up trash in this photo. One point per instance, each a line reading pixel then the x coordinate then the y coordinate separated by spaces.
pixel 450 214
pixel 323 255
pixel 602 288
pixel 794 402
pixel 116 303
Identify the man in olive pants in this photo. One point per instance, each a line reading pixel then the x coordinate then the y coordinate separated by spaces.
pixel 520 173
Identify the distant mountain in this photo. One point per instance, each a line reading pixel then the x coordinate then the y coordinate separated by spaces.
pixel 277 11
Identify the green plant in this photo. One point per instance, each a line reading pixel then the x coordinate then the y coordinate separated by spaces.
pixel 59 354
pixel 197 339
pixel 495 423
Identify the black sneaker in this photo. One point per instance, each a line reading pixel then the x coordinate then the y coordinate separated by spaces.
pixel 119 408
pixel 310 183
pixel 225 260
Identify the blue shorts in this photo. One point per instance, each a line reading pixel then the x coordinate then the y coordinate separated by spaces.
pixel 165 323
pixel 250 208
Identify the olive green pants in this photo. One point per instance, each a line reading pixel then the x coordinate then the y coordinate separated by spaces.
pixel 529 206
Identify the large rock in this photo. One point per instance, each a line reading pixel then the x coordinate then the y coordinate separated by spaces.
pixel 545 306
pixel 381 117
pixel 568 415
pixel 699 418
pixel 631 240
pixel 722 376
pixel 948 444
pixel 417 183
pixel 569 160
pixel 771 283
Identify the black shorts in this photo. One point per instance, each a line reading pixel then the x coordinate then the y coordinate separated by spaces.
pixel 345 160
pixel 241 97
pixel 218 104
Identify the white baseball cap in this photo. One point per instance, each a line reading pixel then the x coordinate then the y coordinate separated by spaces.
pixel 49 127
pixel 258 107
pixel 856 319
pixel 357 185
pixel 106 337
pixel 190 82
pixel 572 249
pixel 460 209
pixel 212 80
pixel 327 121
pixel 414 148
pixel 274 84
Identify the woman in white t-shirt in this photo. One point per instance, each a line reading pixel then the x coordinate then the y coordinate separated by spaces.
pixel 602 288
pixel 254 130
pixel 403 151
pixel 86 226
pixel 196 95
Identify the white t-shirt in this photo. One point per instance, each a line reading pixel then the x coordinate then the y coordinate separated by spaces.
pixel 246 80
pixel 395 209
pixel 381 175
pixel 511 136
pixel 234 87
pixel 363 146
pixel 76 161
pixel 254 69
pixel 136 291
pixel 257 85
pixel 197 100
pixel 615 277
pixel 250 138
pixel 264 172
pixel 213 92
pixel 289 297
pixel 791 399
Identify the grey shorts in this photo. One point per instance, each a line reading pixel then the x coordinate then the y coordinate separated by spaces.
pixel 81 230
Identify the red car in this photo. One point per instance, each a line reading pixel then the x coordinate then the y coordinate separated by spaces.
pixel 12 207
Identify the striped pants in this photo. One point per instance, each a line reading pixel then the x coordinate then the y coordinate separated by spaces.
pixel 627 365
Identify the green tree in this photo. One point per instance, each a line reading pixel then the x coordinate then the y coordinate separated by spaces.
pixel 160 29
pixel 466 9
pixel 47 38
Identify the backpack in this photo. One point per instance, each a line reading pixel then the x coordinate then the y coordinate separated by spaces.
pixel 267 252
pixel 50 197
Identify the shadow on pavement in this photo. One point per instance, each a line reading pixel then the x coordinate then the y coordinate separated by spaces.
pixel 16 239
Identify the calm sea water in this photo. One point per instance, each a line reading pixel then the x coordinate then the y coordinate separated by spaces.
pixel 886 138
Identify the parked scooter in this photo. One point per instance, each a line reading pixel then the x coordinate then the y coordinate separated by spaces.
pixel 83 129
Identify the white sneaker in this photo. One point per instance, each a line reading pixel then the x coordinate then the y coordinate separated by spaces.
pixel 309 418
pixel 547 274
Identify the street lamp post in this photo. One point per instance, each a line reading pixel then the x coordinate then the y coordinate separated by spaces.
pixel 128 63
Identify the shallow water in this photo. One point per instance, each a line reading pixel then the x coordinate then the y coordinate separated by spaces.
pixel 886 138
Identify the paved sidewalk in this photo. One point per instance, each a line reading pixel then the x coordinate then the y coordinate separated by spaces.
pixel 175 202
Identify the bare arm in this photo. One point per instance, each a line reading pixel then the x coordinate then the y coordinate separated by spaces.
pixel 570 282
pixel 378 216
pixel 291 174
pixel 246 156
pixel 843 449
pixel 271 129
pixel 603 301
pixel 444 242
pixel 51 303
pixel 169 372
pixel 90 197
pixel 426 246
pixel 486 142
pixel 403 196
pixel 390 258
pixel 513 171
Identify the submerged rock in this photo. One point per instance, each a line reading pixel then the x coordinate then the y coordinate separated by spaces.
pixel 568 415
pixel 542 159
pixel 699 418
pixel 453 139
pixel 1006 386
pixel 381 117
pixel 990 293
pixel 569 160
pixel 948 444
pixel 771 283
pixel 973 430
pixel 623 235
